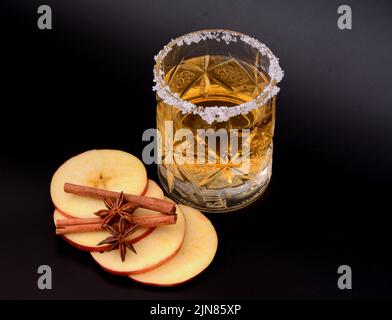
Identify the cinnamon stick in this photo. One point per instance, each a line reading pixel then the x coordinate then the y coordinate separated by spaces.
pixel 155 204
pixel 74 225
pixel 80 228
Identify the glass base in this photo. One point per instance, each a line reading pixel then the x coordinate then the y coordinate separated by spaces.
pixel 217 200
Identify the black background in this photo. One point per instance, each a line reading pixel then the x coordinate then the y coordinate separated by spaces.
pixel 87 84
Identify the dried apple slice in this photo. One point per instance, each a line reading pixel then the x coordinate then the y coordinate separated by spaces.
pixel 152 251
pixel 196 253
pixel 107 169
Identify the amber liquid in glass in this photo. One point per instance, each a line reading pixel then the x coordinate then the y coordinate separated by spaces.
pixel 219 81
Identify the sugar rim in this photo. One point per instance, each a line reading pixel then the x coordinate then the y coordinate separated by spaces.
pixel 218 113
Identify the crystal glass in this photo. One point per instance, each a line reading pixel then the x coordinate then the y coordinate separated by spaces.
pixel 215 94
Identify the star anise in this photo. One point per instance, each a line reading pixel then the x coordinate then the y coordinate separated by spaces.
pixel 116 210
pixel 118 238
